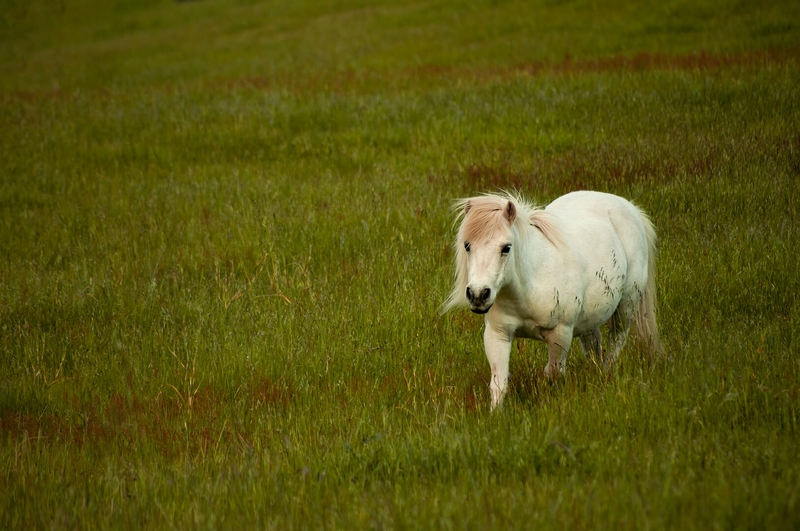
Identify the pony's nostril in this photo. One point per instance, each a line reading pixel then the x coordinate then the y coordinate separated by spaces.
pixel 469 294
pixel 485 294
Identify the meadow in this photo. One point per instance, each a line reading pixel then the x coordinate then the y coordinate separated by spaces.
pixel 226 236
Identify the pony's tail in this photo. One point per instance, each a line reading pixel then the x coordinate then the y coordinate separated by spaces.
pixel 644 319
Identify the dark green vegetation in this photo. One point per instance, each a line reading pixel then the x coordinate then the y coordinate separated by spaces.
pixel 225 237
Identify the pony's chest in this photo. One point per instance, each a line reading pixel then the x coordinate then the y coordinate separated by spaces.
pixel 536 319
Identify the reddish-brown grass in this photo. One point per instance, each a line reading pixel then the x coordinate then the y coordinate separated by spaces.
pixel 170 423
pixel 343 81
pixel 347 80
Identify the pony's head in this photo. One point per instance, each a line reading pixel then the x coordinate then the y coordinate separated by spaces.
pixel 484 250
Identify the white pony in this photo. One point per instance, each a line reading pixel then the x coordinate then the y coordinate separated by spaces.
pixel 554 274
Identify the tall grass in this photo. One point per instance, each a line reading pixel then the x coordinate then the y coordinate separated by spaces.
pixel 225 239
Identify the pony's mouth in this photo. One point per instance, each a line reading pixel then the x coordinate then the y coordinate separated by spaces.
pixel 480 310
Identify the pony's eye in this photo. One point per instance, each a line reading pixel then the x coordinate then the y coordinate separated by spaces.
pixel 466 246
pixel 506 249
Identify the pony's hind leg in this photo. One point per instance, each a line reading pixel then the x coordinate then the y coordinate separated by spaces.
pixel 592 344
pixel 558 341
pixel 618 328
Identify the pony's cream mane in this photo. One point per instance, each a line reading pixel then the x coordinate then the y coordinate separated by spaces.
pixel 480 218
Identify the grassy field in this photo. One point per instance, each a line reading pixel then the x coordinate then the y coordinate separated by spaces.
pixel 225 238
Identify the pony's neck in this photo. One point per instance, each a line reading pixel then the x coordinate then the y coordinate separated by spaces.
pixel 533 250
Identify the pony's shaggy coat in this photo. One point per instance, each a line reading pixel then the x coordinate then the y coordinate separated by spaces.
pixel 555 273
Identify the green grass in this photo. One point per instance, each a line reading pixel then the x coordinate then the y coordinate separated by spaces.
pixel 225 238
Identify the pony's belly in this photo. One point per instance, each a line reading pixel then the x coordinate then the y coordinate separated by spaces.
pixel 531 330
pixel 589 320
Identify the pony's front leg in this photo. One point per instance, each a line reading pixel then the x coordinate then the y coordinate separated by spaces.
pixel 498 351
pixel 558 342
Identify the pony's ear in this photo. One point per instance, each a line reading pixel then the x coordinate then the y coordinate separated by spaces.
pixel 510 212
pixel 467 206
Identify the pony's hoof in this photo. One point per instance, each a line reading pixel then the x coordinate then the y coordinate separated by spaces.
pixel 553 371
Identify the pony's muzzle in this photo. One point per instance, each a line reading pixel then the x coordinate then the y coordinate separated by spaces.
pixel 477 301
